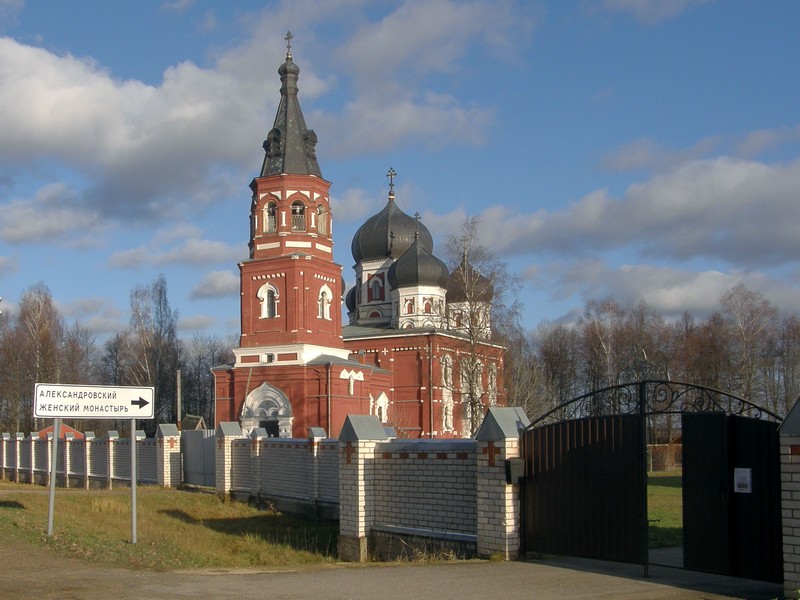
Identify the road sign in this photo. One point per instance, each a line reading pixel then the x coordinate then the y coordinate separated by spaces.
pixel 66 401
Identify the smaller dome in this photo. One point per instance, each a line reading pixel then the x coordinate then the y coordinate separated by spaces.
pixel 465 282
pixel 350 300
pixel 288 67
pixel 417 267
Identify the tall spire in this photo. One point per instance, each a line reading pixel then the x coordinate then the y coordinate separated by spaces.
pixel 290 147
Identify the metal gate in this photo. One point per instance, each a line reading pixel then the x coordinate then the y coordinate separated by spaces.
pixel 585 490
pixel 198 449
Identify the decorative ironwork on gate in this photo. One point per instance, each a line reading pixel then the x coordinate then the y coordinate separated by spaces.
pixel 654 396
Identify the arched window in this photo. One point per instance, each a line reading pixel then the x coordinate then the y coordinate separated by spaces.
pixel 268 296
pixel 409 306
pixel 298 216
pixel 428 306
pixel 324 303
pixel 322 220
pixel 271 217
pixel 375 289
pixel 447 393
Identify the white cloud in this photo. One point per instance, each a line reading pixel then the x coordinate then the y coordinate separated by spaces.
pixel 670 291
pixel 217 284
pixel 652 12
pixel 176 5
pixel 354 205
pixel 196 323
pixel 181 247
pixel 50 217
pixel 741 212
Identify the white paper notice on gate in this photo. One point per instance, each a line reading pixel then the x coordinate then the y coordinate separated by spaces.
pixel 743 481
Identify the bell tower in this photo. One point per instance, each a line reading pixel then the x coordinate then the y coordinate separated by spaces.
pixel 291 290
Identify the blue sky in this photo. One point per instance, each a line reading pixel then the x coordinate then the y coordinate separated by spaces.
pixel 627 148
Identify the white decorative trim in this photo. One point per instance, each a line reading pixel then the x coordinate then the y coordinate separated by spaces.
pixel 291 244
pixel 268 246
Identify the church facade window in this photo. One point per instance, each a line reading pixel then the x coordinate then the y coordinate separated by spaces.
pixel 375 289
pixel 268 296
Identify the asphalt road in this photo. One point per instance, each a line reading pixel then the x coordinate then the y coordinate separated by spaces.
pixel 28 572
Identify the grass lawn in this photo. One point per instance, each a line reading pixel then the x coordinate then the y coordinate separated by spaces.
pixel 665 508
pixel 175 529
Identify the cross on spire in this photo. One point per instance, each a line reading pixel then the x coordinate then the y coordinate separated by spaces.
pixel 391 174
pixel 288 39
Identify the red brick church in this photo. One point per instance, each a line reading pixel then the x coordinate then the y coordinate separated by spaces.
pixel 402 356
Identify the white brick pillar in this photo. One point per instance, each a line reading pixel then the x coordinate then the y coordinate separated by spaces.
pixel 168 455
pixel 5 438
pixel 498 501
pixel 357 442
pixel 17 443
pixel 88 444
pixel 790 511
pixel 67 444
pixel 113 437
pixel 225 434
pixel 498 508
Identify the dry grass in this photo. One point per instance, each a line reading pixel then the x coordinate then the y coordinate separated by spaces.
pixel 175 529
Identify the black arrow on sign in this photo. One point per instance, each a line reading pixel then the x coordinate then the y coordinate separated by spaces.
pixel 141 402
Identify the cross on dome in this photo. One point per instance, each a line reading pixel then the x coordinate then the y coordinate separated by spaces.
pixel 288 39
pixel 391 174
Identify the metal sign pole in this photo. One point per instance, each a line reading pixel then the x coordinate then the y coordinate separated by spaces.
pixel 53 472
pixel 133 481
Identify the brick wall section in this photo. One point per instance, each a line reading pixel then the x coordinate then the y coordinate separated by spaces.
pixel 328 471
pixel 428 485
pixel 790 512
pixel 287 470
pixel 296 475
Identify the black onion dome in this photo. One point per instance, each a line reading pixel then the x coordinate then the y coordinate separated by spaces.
pixel 388 234
pixel 465 281
pixel 416 267
pixel 350 300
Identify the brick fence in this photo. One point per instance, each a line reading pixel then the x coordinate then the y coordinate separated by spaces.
pixel 392 497
pixel 92 462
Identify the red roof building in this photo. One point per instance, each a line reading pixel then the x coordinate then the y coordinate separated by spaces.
pixel 404 354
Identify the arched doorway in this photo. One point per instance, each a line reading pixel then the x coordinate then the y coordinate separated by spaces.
pixel 267 407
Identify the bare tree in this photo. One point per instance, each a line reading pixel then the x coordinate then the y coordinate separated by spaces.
pixel 481 307
pixel 202 353
pixel 750 317
pixel 153 347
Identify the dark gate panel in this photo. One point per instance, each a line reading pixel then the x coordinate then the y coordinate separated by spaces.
pixel 706 545
pixel 729 530
pixel 756 537
pixel 585 489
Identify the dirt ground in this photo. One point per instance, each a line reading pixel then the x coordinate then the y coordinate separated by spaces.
pixel 30 572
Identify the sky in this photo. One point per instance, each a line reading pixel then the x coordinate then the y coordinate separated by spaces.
pixel 633 149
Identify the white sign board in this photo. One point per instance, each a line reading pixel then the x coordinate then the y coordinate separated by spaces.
pixel 743 481
pixel 65 401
